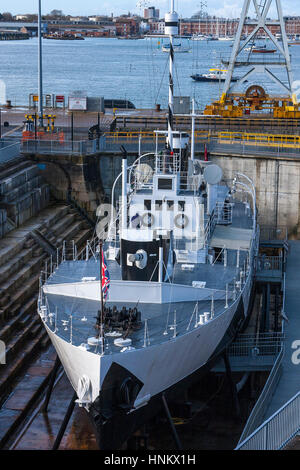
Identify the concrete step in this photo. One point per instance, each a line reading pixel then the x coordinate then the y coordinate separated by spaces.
pixel 20 238
pixel 15 263
pixel 18 278
pixel 12 325
pixel 20 337
pixel 71 232
pixel 82 237
pixel 35 330
pixel 16 194
pixel 21 360
pixel 26 393
pixel 17 179
pixel 29 243
pixel 24 321
pixel 44 219
pixel 4 298
pixel 28 205
pixel 14 167
pixel 38 251
pixel 60 227
pixel 20 296
pixel 10 248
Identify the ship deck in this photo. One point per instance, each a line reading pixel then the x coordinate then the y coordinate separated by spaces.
pixel 160 320
pixel 75 318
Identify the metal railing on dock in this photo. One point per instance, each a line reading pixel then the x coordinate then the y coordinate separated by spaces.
pixel 75 147
pixel 258 411
pixel 268 233
pixel 253 352
pixel 9 150
pixel 269 268
pixel 231 143
pixel 278 430
pixel 214 123
pixel 264 344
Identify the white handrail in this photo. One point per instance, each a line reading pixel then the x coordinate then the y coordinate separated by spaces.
pixel 278 430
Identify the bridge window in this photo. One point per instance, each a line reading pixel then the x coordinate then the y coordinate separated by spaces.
pixel 165 183
pixel 158 205
pixel 170 205
pixel 147 204
pixel 181 205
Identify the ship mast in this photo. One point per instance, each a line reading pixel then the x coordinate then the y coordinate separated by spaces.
pixel 171 30
pixel 101 295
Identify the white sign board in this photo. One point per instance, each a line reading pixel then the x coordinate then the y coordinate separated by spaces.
pixel 78 104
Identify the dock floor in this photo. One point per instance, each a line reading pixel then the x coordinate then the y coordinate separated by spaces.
pixel 289 382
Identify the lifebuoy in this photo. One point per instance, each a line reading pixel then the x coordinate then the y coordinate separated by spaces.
pixel 181 221
pixel 148 219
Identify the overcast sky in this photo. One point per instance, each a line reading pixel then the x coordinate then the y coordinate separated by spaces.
pixel 228 8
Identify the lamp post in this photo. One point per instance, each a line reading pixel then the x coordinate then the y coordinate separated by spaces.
pixel 40 65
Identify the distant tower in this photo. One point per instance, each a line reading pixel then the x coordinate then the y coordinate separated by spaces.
pixel 260 64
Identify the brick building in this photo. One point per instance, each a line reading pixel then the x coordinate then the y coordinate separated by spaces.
pixel 126 26
pixel 222 27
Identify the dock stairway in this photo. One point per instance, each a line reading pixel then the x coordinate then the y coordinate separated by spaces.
pixel 24 253
pixel 275 418
pixel 23 194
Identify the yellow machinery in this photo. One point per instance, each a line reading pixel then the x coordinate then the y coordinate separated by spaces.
pixel 255 98
pixel 50 120
pixel 33 131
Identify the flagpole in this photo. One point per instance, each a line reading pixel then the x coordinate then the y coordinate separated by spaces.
pixel 101 291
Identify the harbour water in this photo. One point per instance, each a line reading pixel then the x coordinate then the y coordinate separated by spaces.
pixel 135 70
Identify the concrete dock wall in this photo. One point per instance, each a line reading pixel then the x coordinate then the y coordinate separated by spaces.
pixel 91 178
pixel 277 185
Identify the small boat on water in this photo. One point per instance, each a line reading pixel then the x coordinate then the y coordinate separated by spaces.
pixel 176 47
pixel 130 37
pixel 64 37
pixel 201 37
pixel 249 47
pixel 225 38
pixel 214 75
pixel 262 50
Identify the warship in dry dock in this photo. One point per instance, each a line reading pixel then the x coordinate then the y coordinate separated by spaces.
pixel 162 296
